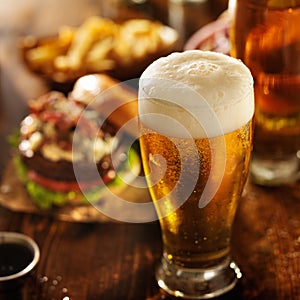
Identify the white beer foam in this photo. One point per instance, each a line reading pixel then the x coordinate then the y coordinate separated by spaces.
pixel 215 88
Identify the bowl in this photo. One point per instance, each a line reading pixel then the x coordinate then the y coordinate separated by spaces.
pixel 19 255
pixel 60 59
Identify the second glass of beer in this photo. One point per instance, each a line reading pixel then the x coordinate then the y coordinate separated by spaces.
pixel 265 35
pixel 195 115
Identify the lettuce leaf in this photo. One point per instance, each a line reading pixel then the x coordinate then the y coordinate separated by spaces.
pixel 46 199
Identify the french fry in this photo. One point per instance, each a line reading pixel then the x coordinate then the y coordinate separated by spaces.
pixel 101 65
pixel 100 50
pixel 41 55
pixel 84 38
pixel 66 35
pixel 46 53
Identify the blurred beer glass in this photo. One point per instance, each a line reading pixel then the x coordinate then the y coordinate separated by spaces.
pixel 266 36
pixel 195 116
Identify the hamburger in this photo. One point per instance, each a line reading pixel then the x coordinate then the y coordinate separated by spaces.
pixel 48 148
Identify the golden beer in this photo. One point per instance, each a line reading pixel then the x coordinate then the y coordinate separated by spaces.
pixel 265 35
pixel 195 116
pixel 194 237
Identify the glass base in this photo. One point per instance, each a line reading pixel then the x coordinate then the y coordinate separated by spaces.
pixel 197 283
pixel 274 172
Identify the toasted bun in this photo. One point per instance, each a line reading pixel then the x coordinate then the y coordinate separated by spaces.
pixel 104 92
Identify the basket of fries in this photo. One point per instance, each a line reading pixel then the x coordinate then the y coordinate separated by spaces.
pixel 98 45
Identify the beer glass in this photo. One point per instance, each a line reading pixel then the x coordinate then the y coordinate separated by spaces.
pixel 195 116
pixel 265 35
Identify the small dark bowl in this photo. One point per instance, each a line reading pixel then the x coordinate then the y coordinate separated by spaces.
pixel 19 255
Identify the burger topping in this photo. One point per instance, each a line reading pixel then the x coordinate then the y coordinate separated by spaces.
pixel 55 153
pixel 50 127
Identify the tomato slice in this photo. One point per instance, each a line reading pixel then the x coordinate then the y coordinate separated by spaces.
pixel 67 186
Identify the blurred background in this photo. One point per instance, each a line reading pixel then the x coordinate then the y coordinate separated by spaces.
pixel 43 18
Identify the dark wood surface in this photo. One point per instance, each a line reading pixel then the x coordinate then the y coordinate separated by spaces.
pixel 117 260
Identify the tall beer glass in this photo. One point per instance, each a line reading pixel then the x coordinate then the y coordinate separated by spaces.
pixel 265 35
pixel 195 112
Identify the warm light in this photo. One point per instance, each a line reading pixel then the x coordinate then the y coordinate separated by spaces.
pixel 209 275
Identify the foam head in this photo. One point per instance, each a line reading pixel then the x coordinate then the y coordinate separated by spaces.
pixel 205 93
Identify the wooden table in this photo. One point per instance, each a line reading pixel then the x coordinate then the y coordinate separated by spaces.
pixel 113 260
